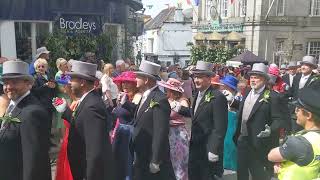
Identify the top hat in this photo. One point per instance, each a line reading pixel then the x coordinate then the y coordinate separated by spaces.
pixel 83 70
pixel 203 67
pixel 149 69
pixel 259 69
pixel 41 50
pixel 309 60
pixel 292 64
pixel 172 84
pixel 127 76
pixel 230 81
pixel 308 98
pixel 16 70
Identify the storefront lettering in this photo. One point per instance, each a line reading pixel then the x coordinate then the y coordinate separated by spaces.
pixel 79 25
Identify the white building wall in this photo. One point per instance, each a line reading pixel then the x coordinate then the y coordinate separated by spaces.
pixel 8 39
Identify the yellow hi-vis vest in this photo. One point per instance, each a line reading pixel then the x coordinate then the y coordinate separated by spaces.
pixel 291 171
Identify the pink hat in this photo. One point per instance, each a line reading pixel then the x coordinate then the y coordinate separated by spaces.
pixel 172 84
pixel 127 76
pixel 274 70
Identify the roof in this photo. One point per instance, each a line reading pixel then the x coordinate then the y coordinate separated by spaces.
pixel 162 17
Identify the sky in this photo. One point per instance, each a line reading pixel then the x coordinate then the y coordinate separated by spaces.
pixel 158 5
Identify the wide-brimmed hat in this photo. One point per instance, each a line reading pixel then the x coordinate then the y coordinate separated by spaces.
pixel 292 64
pixel 203 67
pixel 309 60
pixel 259 69
pixel 172 84
pixel 41 50
pixel 149 69
pixel 127 76
pixel 230 81
pixel 16 70
pixel 83 70
pixel 274 70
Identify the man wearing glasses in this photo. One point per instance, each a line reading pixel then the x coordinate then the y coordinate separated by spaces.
pixel 299 156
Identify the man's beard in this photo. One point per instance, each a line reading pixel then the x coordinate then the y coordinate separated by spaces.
pixel 76 92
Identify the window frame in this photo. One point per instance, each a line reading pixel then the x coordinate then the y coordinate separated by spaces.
pixel 313 48
pixel 313 9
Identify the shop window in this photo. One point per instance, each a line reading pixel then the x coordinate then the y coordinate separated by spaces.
pixel 313 49
pixel 42 30
pixel 315 8
pixel 23 40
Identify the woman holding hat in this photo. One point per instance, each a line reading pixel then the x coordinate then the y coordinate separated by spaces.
pixel 122 132
pixel 229 89
pixel 179 134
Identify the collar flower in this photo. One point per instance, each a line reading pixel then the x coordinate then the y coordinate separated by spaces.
pixel 209 96
pixel 153 104
pixel 9 119
pixel 266 96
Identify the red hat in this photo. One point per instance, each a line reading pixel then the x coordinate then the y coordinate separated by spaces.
pixel 172 84
pixel 127 76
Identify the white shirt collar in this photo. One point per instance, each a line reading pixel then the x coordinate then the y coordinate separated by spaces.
pixel 306 77
pixel 14 103
pixel 84 95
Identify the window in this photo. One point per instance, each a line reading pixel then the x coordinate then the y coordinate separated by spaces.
pixel 279 51
pixel 315 8
pixel 313 49
pixel 150 45
pixel 280 7
pixel 208 9
pixel 243 8
pixel 224 8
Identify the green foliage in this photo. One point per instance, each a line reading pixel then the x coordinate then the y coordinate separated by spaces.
pixel 214 53
pixel 74 47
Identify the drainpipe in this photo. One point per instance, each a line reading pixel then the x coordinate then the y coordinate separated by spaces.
pixel 252 24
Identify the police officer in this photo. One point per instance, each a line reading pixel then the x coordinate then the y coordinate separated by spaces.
pixel 299 156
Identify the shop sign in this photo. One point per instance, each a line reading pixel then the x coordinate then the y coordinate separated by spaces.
pixel 72 25
pixel 217 27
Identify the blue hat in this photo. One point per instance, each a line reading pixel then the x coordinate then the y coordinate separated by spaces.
pixel 230 81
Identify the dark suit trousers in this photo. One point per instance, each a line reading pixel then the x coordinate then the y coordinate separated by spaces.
pixel 250 161
pixel 199 166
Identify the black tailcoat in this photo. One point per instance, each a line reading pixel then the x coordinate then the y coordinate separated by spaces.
pixel 209 126
pixel 24 146
pixel 89 148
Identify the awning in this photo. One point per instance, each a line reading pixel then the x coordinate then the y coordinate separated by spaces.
pixel 215 36
pixel 200 36
pixel 234 36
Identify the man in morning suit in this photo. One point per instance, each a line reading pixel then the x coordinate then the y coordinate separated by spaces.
pixel 302 80
pixel 24 138
pixel 259 120
pixel 89 148
pixel 150 141
pixel 209 125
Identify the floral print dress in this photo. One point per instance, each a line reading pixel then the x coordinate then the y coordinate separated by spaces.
pixel 179 137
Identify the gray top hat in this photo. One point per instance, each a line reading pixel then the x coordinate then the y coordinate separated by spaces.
pixel 149 69
pixel 309 60
pixel 283 66
pixel 41 50
pixel 16 70
pixel 260 69
pixel 203 67
pixel 292 64
pixel 83 70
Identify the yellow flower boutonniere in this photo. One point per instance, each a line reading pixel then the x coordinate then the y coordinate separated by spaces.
pixel 266 96
pixel 9 119
pixel 153 104
pixel 209 96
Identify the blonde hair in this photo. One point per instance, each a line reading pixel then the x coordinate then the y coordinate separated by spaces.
pixel 40 61
pixel 60 61
pixel 107 69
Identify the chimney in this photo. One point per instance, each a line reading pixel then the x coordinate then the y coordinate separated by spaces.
pixel 178 15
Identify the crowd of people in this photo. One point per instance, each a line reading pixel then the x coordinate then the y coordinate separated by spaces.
pixel 161 123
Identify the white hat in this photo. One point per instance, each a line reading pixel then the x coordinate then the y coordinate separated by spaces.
pixel 260 69
pixel 41 50
pixel 83 70
pixel 203 67
pixel 149 69
pixel 309 60
pixel 16 70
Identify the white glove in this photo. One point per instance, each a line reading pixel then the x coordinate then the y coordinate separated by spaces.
pixel 228 95
pixel 175 106
pixel 60 104
pixel 154 168
pixel 212 157
pixel 265 133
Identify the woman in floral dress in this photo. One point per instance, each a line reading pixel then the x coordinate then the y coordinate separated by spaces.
pixel 179 134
